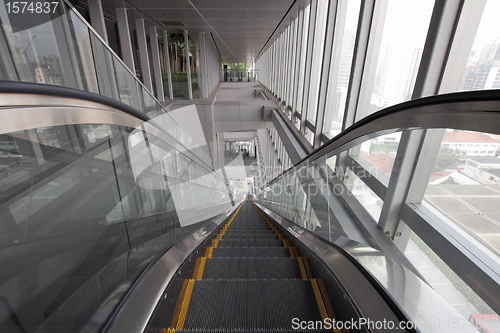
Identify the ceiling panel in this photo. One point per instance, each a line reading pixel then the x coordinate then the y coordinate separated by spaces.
pixel 240 27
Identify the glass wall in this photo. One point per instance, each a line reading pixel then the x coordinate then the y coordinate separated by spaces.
pixel 65 52
pixel 84 208
pixel 326 194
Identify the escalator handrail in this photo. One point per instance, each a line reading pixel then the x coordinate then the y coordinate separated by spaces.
pixel 27 88
pixel 13 87
pixel 439 111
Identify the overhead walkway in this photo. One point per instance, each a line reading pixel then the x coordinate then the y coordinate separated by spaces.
pixel 249 278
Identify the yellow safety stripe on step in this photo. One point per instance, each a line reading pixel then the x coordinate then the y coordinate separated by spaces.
pixel 295 253
pixel 185 304
pixel 196 267
pixel 171 330
pixel 292 254
pixel 219 237
pixel 306 267
pixel 209 252
pixel 302 269
pixel 201 268
pixel 319 299
pixel 328 305
pixel 215 242
pixel 178 305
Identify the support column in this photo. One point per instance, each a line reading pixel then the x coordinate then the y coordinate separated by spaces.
pixel 188 64
pixel 203 70
pixel 97 18
pixel 167 60
pixel 155 56
pixel 143 54
pixel 125 42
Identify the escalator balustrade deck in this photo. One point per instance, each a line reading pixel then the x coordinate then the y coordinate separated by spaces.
pixel 249 280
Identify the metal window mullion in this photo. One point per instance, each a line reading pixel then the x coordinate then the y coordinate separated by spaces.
pixel 411 158
pixel 291 63
pixel 283 64
pixel 336 58
pixel 143 54
pixel 97 18
pixel 155 57
pixel 308 66
pixel 286 69
pixel 279 92
pixel 325 71
pixel 298 50
pixel 288 60
pixel 358 61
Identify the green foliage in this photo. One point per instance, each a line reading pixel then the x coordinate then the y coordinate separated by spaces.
pixel 446 158
pixel 383 147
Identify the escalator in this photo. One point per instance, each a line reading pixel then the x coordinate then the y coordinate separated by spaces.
pixel 249 279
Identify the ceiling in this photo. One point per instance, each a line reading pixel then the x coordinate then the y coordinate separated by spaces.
pixel 240 28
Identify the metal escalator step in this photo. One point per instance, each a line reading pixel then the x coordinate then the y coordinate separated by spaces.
pixel 251 304
pixel 249 224
pixel 251 268
pixel 249 236
pixel 250 243
pixel 258 228
pixel 231 231
pixel 250 252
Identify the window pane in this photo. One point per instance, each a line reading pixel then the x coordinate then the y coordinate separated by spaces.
pixel 465 184
pixel 317 59
pixel 484 60
pixel 397 55
pixel 443 279
pixel 339 75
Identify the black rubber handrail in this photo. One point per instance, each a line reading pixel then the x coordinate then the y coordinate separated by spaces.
pixel 14 87
pixel 459 97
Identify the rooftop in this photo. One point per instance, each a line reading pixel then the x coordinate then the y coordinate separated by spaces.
pixel 468 137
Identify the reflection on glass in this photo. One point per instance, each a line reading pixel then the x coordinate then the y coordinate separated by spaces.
pixel 398 54
pixel 366 197
pixel 465 186
pixel 83 209
pixel 484 60
pixel 443 279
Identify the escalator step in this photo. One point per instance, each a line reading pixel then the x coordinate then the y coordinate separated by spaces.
pixel 255 229
pixel 249 231
pixel 251 304
pixel 250 252
pixel 252 268
pixel 250 236
pixel 250 243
